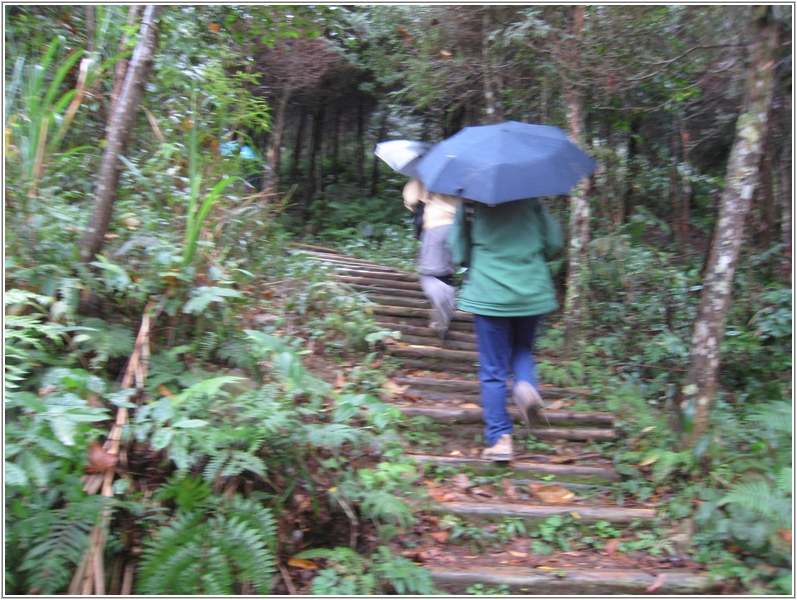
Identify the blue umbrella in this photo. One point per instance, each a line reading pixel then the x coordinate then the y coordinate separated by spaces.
pixel 504 162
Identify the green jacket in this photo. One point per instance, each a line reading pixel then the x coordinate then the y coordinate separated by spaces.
pixel 508 275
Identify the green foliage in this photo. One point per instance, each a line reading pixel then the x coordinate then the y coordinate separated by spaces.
pixel 53 542
pixel 214 549
pixel 348 573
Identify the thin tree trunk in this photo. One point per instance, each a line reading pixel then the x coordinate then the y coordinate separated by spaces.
pixel 121 125
pixel 120 69
pixel 685 170
pixel 336 147
pixel 628 199
pixel 360 145
pixel 379 137
pixel 275 143
pixel 786 206
pixel 297 146
pixel 492 106
pixel 578 259
pixel 315 145
pixel 742 178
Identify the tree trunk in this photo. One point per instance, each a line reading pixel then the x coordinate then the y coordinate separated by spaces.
pixel 315 145
pixel 336 147
pixel 275 143
pixel 741 180
pixel 685 171
pixel 492 104
pixel 628 199
pixel 578 259
pixel 765 198
pixel 120 69
pixel 297 147
pixel 118 134
pixel 379 137
pixel 360 143
pixel 786 206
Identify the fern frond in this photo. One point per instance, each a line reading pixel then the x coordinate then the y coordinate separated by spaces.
pixel 385 506
pixel 763 499
pixel 784 481
pixel 775 416
pixel 51 562
pixel 195 554
pixel 207 345
pixel 331 435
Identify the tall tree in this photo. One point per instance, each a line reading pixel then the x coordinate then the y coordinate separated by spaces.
pixel 741 180
pixel 122 121
pixel 578 266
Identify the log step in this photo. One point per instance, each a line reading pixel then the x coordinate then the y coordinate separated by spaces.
pixel 492 511
pixel 570 581
pixel 472 386
pixel 456 414
pixel 567 473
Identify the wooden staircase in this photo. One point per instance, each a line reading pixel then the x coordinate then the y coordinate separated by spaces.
pixel 438 385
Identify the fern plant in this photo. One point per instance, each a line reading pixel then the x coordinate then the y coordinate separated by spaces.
pixel 350 574
pixel 216 548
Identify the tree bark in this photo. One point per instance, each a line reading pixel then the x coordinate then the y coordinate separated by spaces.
pixel 786 205
pixel 315 145
pixel 578 259
pixel 360 145
pixel 379 137
pixel 275 143
pixel 741 180
pixel 120 69
pixel 119 130
pixel 297 147
pixel 492 103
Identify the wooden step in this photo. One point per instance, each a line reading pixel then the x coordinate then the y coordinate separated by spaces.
pixel 455 580
pixel 417 313
pixel 375 290
pixel 455 328
pixel 496 511
pixel 571 473
pixel 430 352
pixel 428 332
pixel 388 284
pixel 434 340
pixel 457 414
pixel 471 386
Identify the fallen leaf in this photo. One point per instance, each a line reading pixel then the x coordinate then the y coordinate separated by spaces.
pixel 100 460
pixel 461 481
pixel 657 583
pixel 164 391
pixel 469 405
pixel 302 563
pixel 611 547
pixel 440 496
pixel 47 390
pixel 340 381
pixel 441 537
pixel 393 388
pixel 786 535
pixel 649 460
pixel 575 515
pixel 518 554
pixel 534 486
pixel 555 405
pixel 646 429
pixel 544 568
pixel 455 453
pixel 555 494
pixel 509 488
pixel 479 491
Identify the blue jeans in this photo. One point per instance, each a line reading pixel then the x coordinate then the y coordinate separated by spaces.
pixel 505 345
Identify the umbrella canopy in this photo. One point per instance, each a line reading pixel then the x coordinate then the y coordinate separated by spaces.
pixel 504 162
pixel 402 155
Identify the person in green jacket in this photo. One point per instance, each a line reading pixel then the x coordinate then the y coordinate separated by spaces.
pixel 508 288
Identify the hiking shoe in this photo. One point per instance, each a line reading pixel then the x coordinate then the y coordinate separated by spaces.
pixel 501 451
pixel 529 404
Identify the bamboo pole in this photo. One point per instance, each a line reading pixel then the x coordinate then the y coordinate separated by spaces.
pixel 89 577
